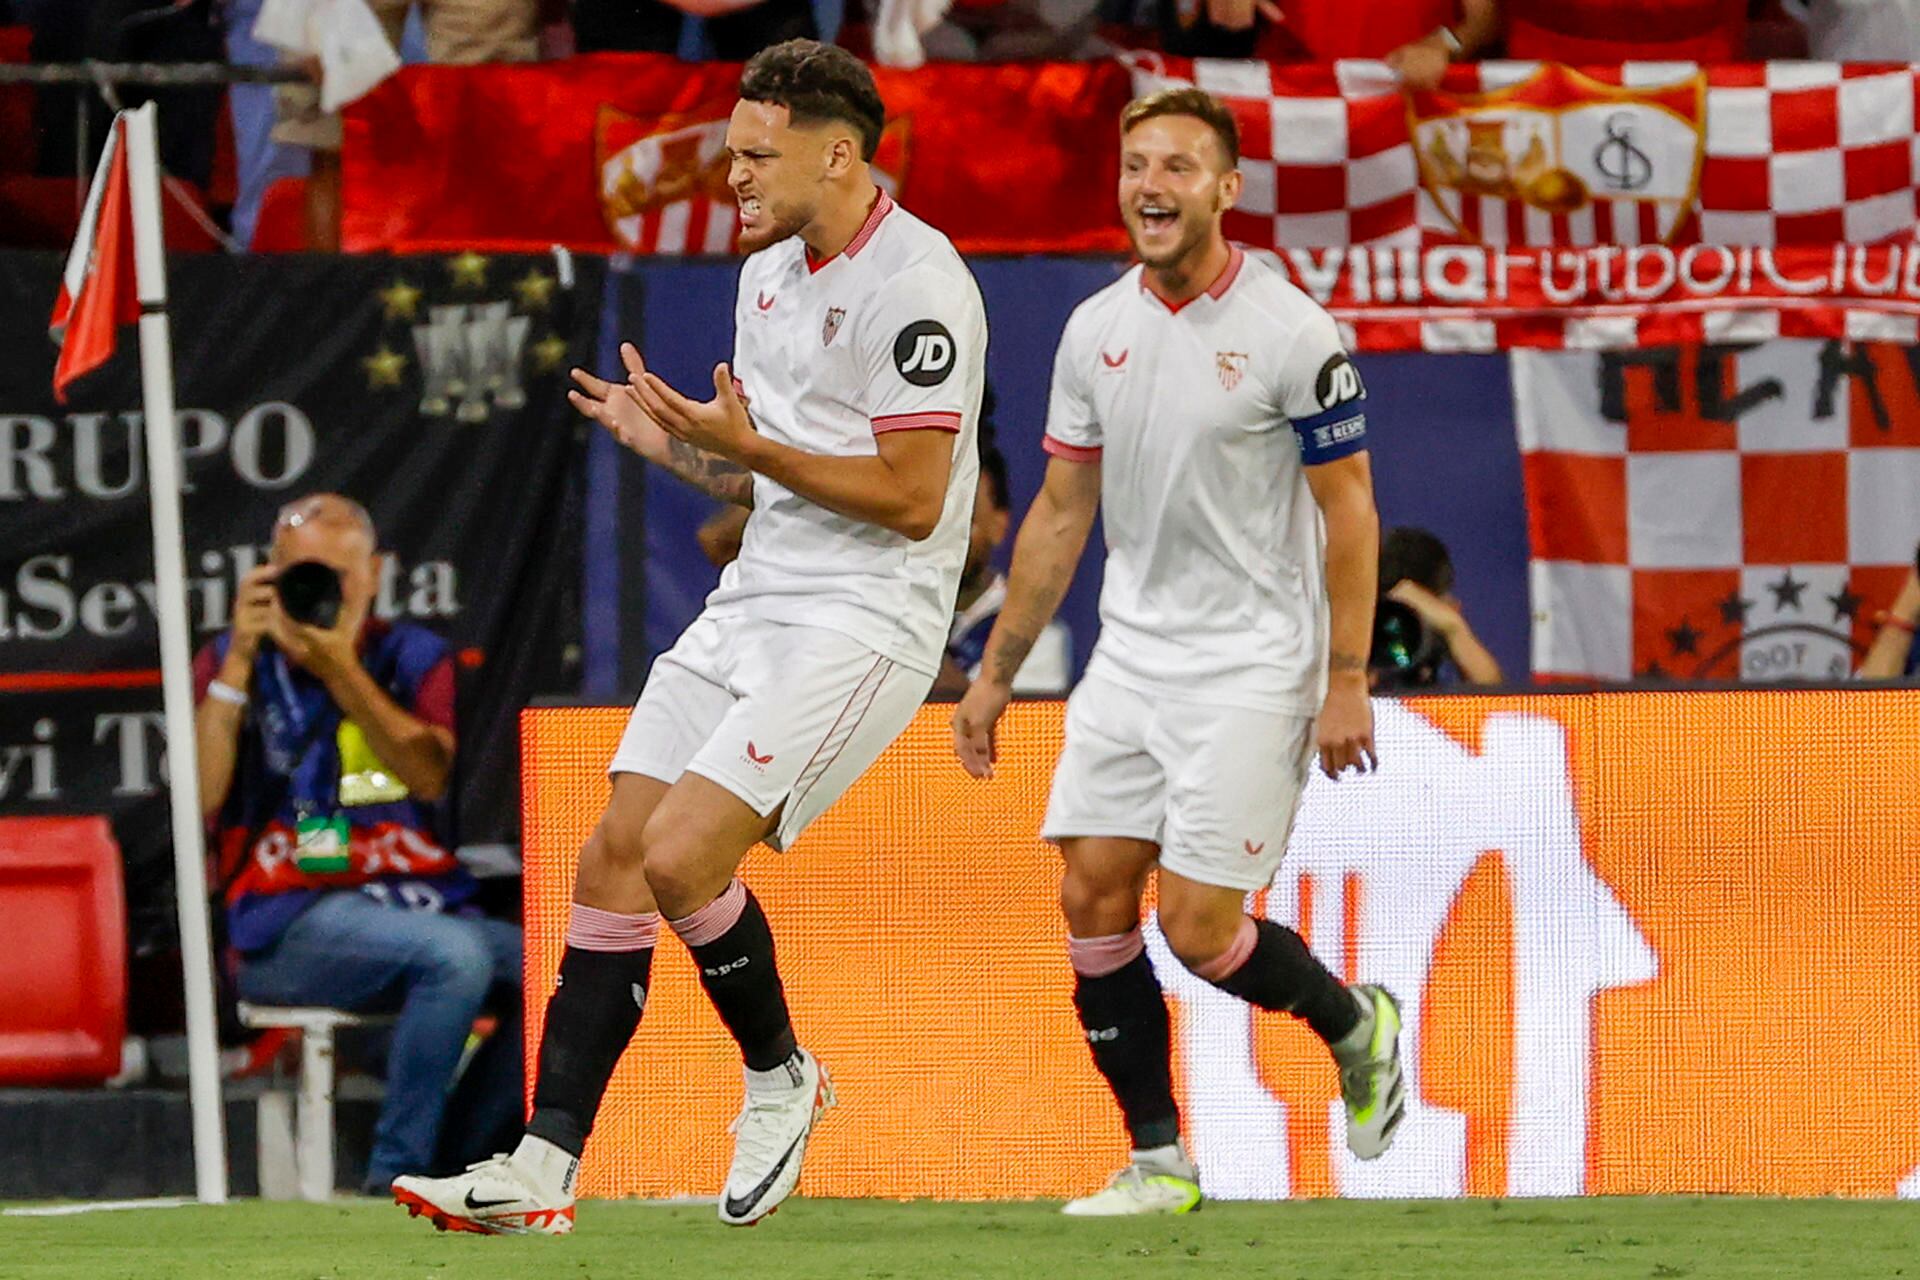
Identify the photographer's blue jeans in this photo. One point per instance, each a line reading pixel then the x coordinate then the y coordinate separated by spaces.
pixel 348 951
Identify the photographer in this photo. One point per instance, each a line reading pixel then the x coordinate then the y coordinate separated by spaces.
pixel 1893 653
pixel 325 742
pixel 1418 626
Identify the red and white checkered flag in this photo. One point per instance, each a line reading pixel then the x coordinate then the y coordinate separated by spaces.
pixel 1531 154
pixel 1716 513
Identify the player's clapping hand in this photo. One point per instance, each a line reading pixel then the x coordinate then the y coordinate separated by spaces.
pixel 973 726
pixel 616 406
pixel 720 425
pixel 1345 728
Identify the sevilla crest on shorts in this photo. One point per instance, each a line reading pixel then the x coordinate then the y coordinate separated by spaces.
pixel 1231 366
pixel 834 316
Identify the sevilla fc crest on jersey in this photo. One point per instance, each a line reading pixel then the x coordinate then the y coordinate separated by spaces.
pixel 834 316
pixel 1231 366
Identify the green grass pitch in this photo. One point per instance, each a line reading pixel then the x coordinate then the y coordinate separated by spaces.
pixel 854 1240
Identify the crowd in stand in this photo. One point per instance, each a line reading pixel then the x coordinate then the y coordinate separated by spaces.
pixel 231 146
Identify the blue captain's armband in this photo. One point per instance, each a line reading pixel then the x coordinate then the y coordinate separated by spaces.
pixel 1332 435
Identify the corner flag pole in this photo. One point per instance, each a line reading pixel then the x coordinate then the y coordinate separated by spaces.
pixel 170 582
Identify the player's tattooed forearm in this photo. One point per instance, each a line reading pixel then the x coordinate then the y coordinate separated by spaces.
pixel 727 481
pixel 1348 662
pixel 1010 652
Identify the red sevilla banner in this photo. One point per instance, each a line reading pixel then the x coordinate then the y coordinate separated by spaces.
pixel 625 152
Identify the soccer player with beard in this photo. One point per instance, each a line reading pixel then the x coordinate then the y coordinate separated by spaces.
pixel 1206 405
pixel 847 424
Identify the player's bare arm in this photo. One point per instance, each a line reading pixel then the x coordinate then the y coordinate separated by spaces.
pixel 902 487
pixel 615 406
pixel 1344 490
pixel 1045 554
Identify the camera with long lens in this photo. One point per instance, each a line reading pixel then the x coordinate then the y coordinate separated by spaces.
pixel 1406 652
pixel 310 593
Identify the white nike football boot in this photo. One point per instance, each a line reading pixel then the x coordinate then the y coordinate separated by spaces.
pixel 770 1136
pixel 496 1197
pixel 1372 1084
pixel 1135 1190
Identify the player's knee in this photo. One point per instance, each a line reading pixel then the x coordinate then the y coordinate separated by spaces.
pixel 615 846
pixel 1197 938
pixel 1095 908
pixel 677 871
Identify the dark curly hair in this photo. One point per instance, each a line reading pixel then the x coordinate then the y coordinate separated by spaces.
pixel 817 82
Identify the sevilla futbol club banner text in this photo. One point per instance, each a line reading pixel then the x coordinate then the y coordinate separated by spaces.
pixel 428 388
pixel 1617 963
pixel 1717 512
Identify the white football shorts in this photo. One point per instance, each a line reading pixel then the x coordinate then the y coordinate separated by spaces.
pixel 1215 787
pixel 775 713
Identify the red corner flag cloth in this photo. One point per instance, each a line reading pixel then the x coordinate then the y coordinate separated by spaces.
pixel 97 292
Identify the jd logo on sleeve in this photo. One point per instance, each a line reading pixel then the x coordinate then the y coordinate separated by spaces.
pixel 923 353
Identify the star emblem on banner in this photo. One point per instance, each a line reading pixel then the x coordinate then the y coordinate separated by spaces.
pixel 549 353
pixel 469 270
pixel 1846 605
pixel 401 300
pixel 469 342
pixel 384 368
pixel 1787 591
pixel 1684 639
pixel 1733 610
pixel 535 290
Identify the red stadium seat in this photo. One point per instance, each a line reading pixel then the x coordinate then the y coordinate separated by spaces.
pixel 64 967
pixel 18 145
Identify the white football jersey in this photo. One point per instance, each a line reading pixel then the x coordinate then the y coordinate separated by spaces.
pixel 1200 415
pixel 889 335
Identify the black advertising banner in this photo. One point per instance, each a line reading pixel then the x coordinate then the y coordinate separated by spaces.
pixel 431 389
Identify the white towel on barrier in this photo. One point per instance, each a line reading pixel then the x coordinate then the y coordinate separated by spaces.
pixel 352 47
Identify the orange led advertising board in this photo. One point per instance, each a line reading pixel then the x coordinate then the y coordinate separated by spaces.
pixel 1645 942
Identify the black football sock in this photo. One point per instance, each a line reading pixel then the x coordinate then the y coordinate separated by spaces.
pixel 595 1009
pixel 733 945
pixel 1124 1013
pixel 1276 970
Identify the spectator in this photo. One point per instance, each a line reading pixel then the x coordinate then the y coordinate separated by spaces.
pixel 736 29
pixel 1602 32
pixel 1894 653
pixel 458 31
pixel 1417 571
pixel 907 32
pixel 325 742
pixel 1418 38
pixel 1860 30
pixel 1048 668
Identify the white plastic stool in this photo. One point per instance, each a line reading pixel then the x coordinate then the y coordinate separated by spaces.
pixel 313 1128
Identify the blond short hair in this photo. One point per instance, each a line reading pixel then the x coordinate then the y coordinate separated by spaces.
pixel 1189 101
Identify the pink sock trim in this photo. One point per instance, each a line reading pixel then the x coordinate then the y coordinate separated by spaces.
pixel 591 929
pixel 709 922
pixel 1098 957
pixel 1228 962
